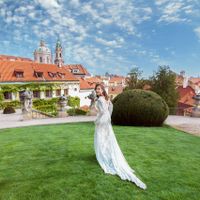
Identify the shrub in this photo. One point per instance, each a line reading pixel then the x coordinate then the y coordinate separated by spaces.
pixel 139 107
pixel 80 112
pixel 76 111
pixel 71 111
pixel 49 109
pixel 8 110
pixel 42 102
pixel 14 104
pixel 73 101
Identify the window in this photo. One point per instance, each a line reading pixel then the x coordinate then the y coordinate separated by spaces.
pixel 65 92
pixel 19 74
pixel 52 75
pixel 7 95
pixel 36 94
pixel 61 75
pixel 40 59
pixel 47 59
pixel 48 93
pixel 75 70
pixel 39 74
pixel 58 92
pixel 75 89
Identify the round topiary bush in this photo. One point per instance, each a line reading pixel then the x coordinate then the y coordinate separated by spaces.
pixel 8 110
pixel 139 107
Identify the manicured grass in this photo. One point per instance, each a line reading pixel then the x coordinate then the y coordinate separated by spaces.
pixel 58 162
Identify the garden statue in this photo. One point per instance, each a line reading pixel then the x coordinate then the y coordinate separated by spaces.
pixel 26 102
pixel 62 102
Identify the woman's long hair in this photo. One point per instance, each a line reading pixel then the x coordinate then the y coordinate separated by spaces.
pixel 104 91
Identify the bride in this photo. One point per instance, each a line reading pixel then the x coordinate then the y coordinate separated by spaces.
pixel 107 150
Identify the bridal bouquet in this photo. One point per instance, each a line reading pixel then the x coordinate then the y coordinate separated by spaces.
pixel 92 97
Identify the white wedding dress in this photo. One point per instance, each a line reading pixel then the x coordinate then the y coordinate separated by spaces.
pixel 107 150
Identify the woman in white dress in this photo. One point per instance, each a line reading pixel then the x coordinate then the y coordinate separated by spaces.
pixel 107 150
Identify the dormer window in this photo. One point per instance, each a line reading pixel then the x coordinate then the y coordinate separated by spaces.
pixel 52 75
pixel 19 73
pixel 75 70
pixel 61 75
pixel 39 74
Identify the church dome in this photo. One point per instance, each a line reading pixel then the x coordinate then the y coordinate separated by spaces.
pixel 42 54
pixel 43 48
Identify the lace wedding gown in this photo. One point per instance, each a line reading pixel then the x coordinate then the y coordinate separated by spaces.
pixel 107 150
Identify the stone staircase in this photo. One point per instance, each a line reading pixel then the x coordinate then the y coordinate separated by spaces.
pixel 36 114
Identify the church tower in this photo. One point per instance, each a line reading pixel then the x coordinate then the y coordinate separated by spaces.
pixel 58 57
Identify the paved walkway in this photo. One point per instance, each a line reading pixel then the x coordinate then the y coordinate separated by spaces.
pixel 15 120
pixel 187 124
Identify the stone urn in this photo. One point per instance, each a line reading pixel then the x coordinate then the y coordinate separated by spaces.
pixel 62 103
pixel 196 109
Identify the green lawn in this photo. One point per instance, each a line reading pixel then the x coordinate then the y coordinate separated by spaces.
pixel 58 162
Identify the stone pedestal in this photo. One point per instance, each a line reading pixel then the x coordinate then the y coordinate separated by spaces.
pixel 62 114
pixel 26 116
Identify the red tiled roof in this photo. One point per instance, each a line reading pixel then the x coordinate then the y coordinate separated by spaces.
pixel 186 95
pixel 7 69
pixel 82 70
pixel 117 79
pixel 115 89
pixel 84 85
pixel 94 79
pixel 147 87
pixel 14 58
pixel 195 81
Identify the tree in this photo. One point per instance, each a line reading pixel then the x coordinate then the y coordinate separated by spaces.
pixel 134 79
pixel 163 83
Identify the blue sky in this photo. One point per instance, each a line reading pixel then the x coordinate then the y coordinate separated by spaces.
pixel 108 35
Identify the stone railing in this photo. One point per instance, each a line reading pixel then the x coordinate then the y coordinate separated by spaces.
pixel 36 114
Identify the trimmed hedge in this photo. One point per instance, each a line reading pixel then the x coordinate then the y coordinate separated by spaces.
pixel 139 107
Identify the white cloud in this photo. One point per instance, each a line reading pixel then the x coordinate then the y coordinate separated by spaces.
pixel 49 4
pixel 75 3
pixel 113 43
pixel 197 31
pixel 176 11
